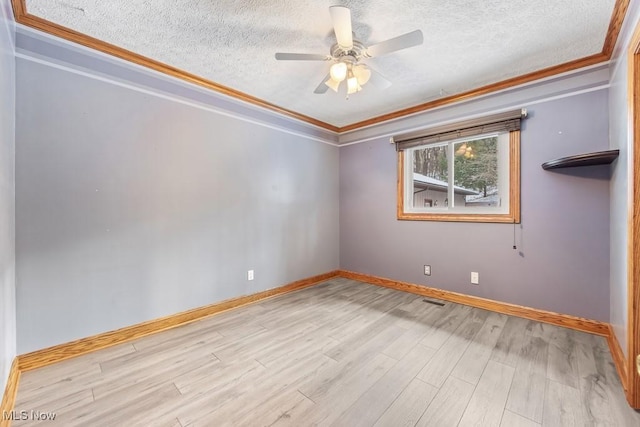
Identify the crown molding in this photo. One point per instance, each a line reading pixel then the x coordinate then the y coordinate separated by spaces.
pixel 23 17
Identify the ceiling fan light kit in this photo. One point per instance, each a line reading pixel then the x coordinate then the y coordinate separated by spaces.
pixel 362 73
pixel 356 75
pixel 333 84
pixel 338 71
pixel 352 85
pixel 347 53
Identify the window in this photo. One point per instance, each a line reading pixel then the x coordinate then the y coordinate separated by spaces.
pixel 460 173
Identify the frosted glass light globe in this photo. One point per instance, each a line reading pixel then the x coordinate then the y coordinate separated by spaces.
pixel 338 71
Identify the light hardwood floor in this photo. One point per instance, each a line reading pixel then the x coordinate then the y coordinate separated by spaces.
pixel 342 353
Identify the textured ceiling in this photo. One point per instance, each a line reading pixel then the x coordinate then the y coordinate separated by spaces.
pixel 467 43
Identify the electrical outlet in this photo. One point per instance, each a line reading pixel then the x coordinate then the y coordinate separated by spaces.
pixel 474 278
pixel 250 275
pixel 427 270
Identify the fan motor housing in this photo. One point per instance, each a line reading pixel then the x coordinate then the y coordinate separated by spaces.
pixel 355 53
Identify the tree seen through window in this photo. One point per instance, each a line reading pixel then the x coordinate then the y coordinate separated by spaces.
pixel 475 165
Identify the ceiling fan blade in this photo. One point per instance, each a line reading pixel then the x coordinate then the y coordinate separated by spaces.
pixel 404 41
pixel 301 57
pixel 322 88
pixel 378 80
pixel 341 17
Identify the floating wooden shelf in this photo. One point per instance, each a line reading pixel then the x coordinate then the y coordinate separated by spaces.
pixel 587 159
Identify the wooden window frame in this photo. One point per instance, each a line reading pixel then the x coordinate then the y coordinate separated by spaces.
pixel 512 217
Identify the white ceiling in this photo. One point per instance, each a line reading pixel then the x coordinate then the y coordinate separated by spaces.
pixel 467 43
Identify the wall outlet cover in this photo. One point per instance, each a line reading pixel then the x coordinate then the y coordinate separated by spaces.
pixel 474 278
pixel 250 275
pixel 427 270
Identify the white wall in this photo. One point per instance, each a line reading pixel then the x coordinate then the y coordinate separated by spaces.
pixel 133 205
pixel 620 137
pixel 7 204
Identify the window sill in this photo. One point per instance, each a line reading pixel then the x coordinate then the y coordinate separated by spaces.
pixel 488 218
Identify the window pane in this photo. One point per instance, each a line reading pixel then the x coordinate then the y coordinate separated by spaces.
pixel 476 174
pixel 473 179
pixel 430 177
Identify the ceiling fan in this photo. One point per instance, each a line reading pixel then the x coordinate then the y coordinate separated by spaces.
pixel 348 52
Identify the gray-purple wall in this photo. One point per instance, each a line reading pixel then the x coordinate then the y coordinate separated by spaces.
pixel 562 260
pixel 136 202
pixel 7 186
pixel 132 250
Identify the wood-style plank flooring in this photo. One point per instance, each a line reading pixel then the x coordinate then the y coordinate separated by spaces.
pixel 342 353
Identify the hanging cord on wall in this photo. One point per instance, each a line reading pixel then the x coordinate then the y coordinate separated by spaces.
pixel 514 234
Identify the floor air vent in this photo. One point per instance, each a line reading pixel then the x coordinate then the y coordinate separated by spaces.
pixel 434 302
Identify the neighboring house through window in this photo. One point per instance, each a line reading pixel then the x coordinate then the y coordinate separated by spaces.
pixel 467 171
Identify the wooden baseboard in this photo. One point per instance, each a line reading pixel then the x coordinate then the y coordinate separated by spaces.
pixel 61 352
pixel 565 320
pixel 47 356
pixel 618 357
pixel 10 392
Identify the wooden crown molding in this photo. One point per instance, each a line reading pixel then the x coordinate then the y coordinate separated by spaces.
pixel 484 90
pixel 615 25
pixel 23 17
pixel 19 9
